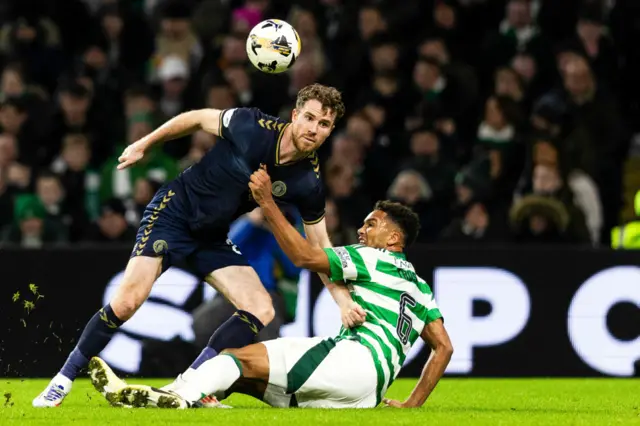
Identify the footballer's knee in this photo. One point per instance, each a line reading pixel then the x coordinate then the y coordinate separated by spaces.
pixel 267 315
pixel 128 299
pixel 253 361
pixel 124 308
pixel 262 308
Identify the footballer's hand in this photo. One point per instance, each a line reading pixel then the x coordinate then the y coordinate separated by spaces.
pixel 352 315
pixel 260 186
pixel 131 154
pixel 397 404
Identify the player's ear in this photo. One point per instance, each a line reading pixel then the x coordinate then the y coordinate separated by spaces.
pixel 294 114
pixel 395 237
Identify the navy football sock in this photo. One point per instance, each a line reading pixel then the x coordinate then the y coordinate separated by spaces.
pixel 237 332
pixel 96 335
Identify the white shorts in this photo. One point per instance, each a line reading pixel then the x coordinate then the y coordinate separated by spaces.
pixel 320 373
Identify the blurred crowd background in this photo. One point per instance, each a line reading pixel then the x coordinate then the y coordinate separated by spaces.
pixel 498 121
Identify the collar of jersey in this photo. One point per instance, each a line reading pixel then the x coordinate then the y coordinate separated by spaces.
pixel 290 163
pixel 397 254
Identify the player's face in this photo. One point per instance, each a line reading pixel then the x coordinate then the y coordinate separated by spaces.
pixel 311 125
pixel 378 231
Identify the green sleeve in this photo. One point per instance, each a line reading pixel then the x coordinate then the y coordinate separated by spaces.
pixel 335 265
pixel 346 264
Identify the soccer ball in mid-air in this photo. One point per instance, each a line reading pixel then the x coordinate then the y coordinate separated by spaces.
pixel 273 46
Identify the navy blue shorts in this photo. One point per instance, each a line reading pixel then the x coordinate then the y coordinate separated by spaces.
pixel 164 231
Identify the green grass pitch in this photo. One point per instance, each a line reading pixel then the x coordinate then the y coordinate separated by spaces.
pixel 455 402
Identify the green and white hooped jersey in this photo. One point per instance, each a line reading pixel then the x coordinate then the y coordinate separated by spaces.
pixel 398 304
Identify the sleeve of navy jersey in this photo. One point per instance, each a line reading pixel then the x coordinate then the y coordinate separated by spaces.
pixel 240 126
pixel 311 206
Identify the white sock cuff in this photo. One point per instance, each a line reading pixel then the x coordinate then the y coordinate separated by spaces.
pixel 214 375
pixel 235 361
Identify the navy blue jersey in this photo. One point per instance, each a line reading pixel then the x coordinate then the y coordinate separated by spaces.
pixel 215 191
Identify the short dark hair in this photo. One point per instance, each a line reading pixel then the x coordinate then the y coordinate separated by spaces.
pixel 47 174
pixel 328 96
pixel 19 104
pixel 402 216
pixel 380 39
pixel 139 91
pixel 430 60
pixel 75 139
pixel 18 68
pixel 74 89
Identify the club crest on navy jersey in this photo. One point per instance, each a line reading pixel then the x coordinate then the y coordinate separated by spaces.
pixel 278 188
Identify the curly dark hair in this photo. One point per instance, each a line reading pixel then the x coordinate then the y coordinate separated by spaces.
pixel 328 96
pixel 402 216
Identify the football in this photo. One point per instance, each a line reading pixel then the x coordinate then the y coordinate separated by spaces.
pixel 273 46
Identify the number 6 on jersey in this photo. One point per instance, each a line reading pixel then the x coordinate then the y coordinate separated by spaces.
pixel 405 325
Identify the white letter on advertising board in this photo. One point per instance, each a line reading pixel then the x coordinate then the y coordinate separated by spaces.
pixel 455 290
pixel 587 321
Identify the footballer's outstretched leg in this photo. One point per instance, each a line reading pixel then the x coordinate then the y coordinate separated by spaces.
pixel 219 374
pixel 215 375
pixel 139 277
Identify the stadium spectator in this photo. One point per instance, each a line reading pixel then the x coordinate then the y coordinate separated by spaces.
pixel 341 186
pixel 518 32
pixel 34 39
pixel 30 228
pixel 15 174
pixel 553 200
pixel 339 233
pixel 173 73
pixel 143 193
pixel 428 158
pixel 111 226
pixel 127 38
pixel 79 181
pixel 220 96
pixel 201 142
pixel 499 140
pixel 8 166
pixel 412 189
pixel 13 118
pixel 176 37
pixel 77 111
pixel 477 225
pixel 52 197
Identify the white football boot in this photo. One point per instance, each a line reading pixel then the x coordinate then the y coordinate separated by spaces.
pixel 105 381
pixel 55 392
pixel 142 396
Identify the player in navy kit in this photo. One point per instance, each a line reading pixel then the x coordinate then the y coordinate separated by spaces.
pixel 188 221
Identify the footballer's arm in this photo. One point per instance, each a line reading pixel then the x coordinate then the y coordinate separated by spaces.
pixel 308 254
pixel 317 235
pixel 437 338
pixel 184 124
pixel 301 252
pixel 181 125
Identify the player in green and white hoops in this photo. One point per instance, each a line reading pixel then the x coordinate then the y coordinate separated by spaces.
pixel 354 369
